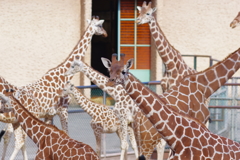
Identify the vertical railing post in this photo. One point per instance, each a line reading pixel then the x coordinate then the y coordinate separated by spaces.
pixel 104 135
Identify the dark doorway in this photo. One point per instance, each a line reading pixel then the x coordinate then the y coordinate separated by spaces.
pixel 104 47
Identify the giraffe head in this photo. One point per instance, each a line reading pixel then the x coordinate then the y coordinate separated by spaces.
pixel 68 89
pixel 145 13
pixel 75 67
pixel 97 26
pixel 117 70
pixel 5 100
pixel 236 21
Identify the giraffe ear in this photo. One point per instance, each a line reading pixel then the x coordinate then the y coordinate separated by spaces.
pixel 88 21
pixel 154 9
pixel 129 63
pixel 100 22
pixel 139 9
pixel 106 62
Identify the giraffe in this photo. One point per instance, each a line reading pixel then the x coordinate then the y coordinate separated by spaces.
pixel 176 67
pixel 45 89
pixel 198 109
pixel 126 110
pixel 187 137
pixel 236 21
pixel 103 118
pixel 191 101
pixel 52 143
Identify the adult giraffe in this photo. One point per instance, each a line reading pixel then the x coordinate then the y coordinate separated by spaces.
pixel 53 144
pixel 236 21
pixel 187 137
pixel 189 96
pixel 46 88
pixel 176 67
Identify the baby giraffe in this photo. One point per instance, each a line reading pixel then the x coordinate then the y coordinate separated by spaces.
pixel 53 144
pixel 103 119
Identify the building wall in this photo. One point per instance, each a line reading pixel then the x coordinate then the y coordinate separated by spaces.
pixel 36 36
pixel 200 27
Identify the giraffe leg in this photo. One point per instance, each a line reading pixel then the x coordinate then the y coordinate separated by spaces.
pixel 124 143
pixel 98 135
pixel 6 138
pixel 63 115
pixel 160 149
pixel 20 137
pixel 133 141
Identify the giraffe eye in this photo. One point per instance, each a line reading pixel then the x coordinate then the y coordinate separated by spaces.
pixel 123 72
pixel 147 14
pixel 72 66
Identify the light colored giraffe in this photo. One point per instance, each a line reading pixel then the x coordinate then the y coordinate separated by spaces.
pixel 236 21
pixel 176 67
pixel 187 137
pixel 125 109
pixel 53 144
pixel 45 89
pixel 103 118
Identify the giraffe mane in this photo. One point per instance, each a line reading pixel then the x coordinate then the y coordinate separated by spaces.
pixel 36 119
pixel 171 108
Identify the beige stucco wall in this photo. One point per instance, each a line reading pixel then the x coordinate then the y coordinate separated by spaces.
pixel 200 27
pixel 37 35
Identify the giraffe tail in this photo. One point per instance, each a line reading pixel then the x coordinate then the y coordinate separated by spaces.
pixel 141 157
pixel 1 134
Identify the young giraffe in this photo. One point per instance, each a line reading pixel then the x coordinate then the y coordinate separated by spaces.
pixel 47 87
pixel 52 143
pixel 176 67
pixel 187 137
pixel 236 21
pixel 103 118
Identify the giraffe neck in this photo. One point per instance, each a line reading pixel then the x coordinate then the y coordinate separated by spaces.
pixel 56 75
pixel 31 125
pixel 170 56
pixel 191 93
pixel 168 122
pixel 100 80
pixel 214 77
pixel 90 107
pixel 6 85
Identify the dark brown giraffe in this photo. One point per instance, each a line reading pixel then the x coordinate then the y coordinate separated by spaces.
pixel 200 84
pixel 53 144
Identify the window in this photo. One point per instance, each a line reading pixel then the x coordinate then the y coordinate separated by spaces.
pixel 134 40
